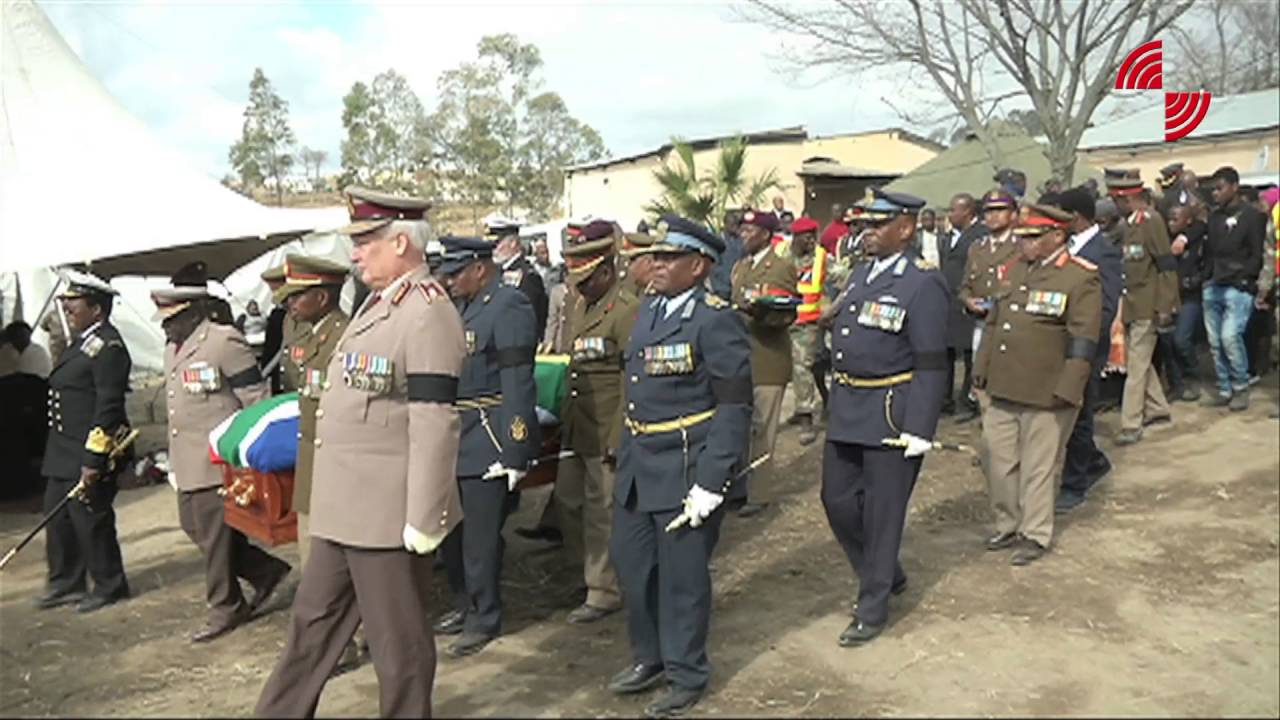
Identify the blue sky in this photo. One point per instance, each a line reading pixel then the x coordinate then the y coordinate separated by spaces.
pixel 638 71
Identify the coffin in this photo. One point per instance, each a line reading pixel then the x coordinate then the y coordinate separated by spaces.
pixel 544 473
pixel 260 504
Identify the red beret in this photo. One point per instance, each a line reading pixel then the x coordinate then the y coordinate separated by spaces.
pixel 804 224
pixel 597 229
pixel 765 220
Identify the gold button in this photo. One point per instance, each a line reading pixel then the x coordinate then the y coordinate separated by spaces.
pixel 635 378
pixel 573 393
pixel 319 414
pixel 844 331
pixel 50 422
pixel 631 406
pixel 172 411
pixel 1002 348
pixel 1014 307
pixel 318 442
pixel 840 355
pixel 59 427
pixel 1007 326
pixel 170 393
pixel 174 432
pixel 299 436
pixel 573 375
pixel 325 385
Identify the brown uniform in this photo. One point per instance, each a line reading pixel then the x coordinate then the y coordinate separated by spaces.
pixel 309 355
pixel 213 374
pixel 386 449
pixel 771 362
pixel 592 428
pixel 1039 340
pixel 294 332
pixel 1150 289
pixel 985 270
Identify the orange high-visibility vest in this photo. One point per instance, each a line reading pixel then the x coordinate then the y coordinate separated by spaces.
pixel 812 300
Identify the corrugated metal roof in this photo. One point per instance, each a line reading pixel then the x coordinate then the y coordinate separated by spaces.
pixel 1228 114
pixel 829 168
pixel 797 132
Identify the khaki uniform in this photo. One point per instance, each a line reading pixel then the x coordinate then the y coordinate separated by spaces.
pixel 771 361
pixel 1040 339
pixel 592 428
pixel 307 357
pixel 985 271
pixel 295 332
pixel 211 376
pixel 1150 288
pixel 386 449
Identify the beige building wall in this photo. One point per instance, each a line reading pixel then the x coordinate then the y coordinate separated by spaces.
pixel 621 190
pixel 1258 152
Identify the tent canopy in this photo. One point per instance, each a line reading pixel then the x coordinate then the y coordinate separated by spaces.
pixel 83 182
pixel 965 167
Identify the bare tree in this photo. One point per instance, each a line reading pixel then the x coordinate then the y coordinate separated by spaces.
pixel 1061 56
pixel 312 161
pixel 1227 47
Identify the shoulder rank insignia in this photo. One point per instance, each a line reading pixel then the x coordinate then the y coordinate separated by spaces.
pixel 512 277
pixel 519 430
pixel 715 301
pixel 689 307
pixel 1083 263
pixel 900 267
pixel 92 345
pixel 400 293
pixel 925 264
pixel 430 290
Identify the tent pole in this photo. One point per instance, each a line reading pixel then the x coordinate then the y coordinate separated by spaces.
pixel 45 307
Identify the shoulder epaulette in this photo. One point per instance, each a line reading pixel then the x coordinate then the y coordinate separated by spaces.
pixel 715 301
pixel 431 290
pixel 1083 263
pixel 400 293
pixel 925 264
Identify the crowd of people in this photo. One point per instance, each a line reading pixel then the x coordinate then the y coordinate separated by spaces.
pixel 421 413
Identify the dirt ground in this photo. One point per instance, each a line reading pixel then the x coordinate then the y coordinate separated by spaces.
pixel 1160 598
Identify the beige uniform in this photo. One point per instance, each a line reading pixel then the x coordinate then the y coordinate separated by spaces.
pixel 213 374
pixel 386 449
pixel 1150 288
pixel 1039 342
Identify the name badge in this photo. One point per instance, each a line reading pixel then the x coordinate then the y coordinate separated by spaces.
pixel 674 359
pixel 1134 252
pixel 1047 302
pixel 200 377
pixel 369 373
pixel 588 348
pixel 882 316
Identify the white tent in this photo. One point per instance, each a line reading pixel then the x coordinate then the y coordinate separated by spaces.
pixel 84 182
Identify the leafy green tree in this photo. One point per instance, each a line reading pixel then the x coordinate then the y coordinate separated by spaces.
pixel 265 147
pixel 705 198
pixel 388 137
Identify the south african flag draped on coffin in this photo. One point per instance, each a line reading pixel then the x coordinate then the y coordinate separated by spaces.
pixel 263 436
pixel 549 373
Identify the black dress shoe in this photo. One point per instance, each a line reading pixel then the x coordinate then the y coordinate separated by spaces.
pixel 676 702
pixel 53 599
pixel 1067 501
pixel 262 594
pixel 97 602
pixel 215 630
pixel 469 644
pixel 584 614
pixel 859 633
pixel 450 623
pixel 543 533
pixel 749 509
pixel 899 587
pixel 1027 552
pixel 636 679
pixel 1000 541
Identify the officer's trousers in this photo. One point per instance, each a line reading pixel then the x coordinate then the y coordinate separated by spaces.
pixel 766 411
pixel 228 554
pixel 1143 395
pixel 391 590
pixel 81 541
pixel 473 554
pixel 666 583
pixel 865 492
pixel 1025 450
pixel 584 497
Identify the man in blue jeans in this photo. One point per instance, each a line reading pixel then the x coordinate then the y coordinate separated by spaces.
pixel 1232 261
pixel 1179 353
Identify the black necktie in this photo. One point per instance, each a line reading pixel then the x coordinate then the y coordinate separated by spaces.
pixel 659 312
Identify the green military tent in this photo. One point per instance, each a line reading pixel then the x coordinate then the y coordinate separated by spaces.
pixel 965 167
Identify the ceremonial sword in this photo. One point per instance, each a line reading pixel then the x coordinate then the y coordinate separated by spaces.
pixel 684 518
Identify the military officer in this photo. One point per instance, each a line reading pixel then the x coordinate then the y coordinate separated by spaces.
pixel 599 325
pixel 500 434
pixel 86 410
pixel 761 278
pixel 210 373
pixel 282 330
pixel 687 417
pixel 383 492
pixel 987 266
pixel 517 271
pixel 1042 334
pixel 637 250
pixel 1150 298
pixel 889 339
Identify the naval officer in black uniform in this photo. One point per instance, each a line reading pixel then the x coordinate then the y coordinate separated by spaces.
pixel 86 410
pixel 687 418
pixel 888 345
pixel 500 433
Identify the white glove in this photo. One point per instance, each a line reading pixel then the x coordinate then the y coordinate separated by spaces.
pixel 914 446
pixel 416 542
pixel 699 504
pixel 514 477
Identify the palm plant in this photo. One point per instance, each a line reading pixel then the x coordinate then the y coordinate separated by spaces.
pixel 705 198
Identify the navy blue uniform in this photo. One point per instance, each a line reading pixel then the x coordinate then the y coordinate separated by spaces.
pixel 496 397
pixel 687 419
pixel 86 397
pixel 888 345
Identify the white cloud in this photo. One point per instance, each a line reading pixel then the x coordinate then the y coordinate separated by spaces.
pixel 639 72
